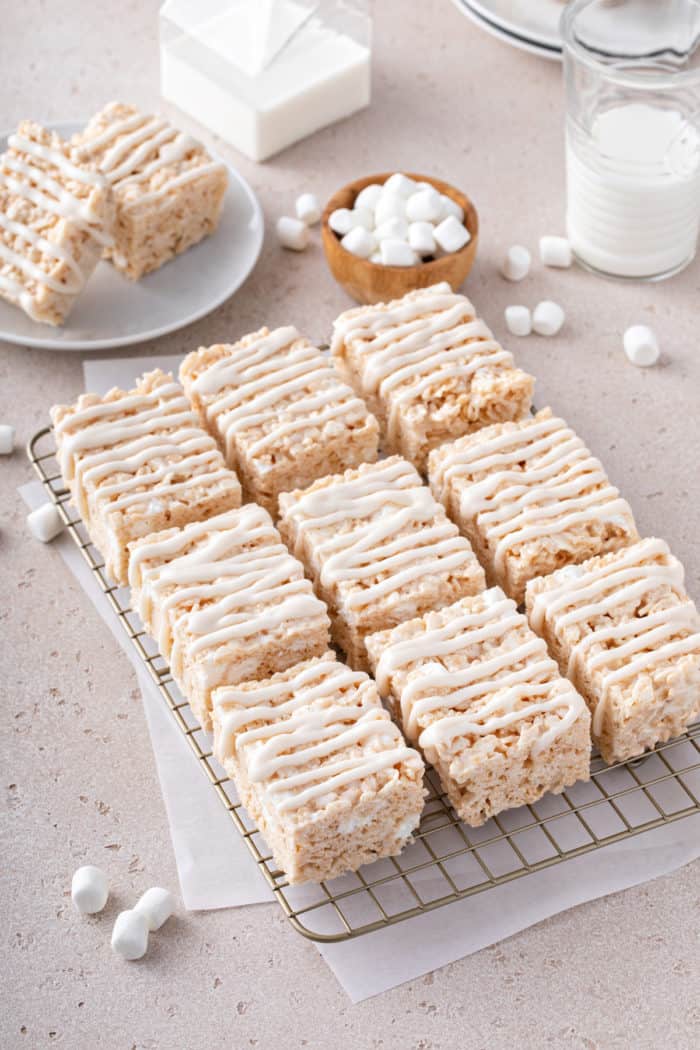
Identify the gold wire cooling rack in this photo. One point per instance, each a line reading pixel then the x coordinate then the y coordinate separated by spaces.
pixel 448 861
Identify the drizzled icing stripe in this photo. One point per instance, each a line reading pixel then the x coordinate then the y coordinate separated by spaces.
pixel 259 385
pixel 497 682
pixel 639 643
pixel 409 347
pixel 237 583
pixel 125 439
pixel 387 502
pixel 566 487
pixel 284 726
pixel 25 179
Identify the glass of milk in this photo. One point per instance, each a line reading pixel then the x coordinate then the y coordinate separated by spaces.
pixel 632 71
pixel 263 74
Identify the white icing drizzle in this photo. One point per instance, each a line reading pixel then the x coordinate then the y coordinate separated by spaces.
pixel 258 385
pixel 134 148
pixel 223 590
pixel 416 344
pixel 300 720
pixel 639 643
pixel 496 682
pixel 566 487
pixel 125 438
pixel 385 501
pixel 25 179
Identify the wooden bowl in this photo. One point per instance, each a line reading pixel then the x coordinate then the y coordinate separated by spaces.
pixel 369 282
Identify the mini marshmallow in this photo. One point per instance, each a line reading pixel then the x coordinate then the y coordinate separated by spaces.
pixel 424 206
pixel 399 184
pixel 89 889
pixel 547 318
pixel 340 221
pixel 396 229
pixel 451 235
pixel 360 242
pixel 421 238
pixel 368 197
pixel 130 935
pixel 641 346
pixel 556 251
pixel 292 233
pixel 397 253
pixel 450 207
pixel 389 206
pixel 516 264
pixel 518 320
pixel 156 905
pixel 308 209
pixel 7 439
pixel 45 522
pixel 376 257
pixel 362 217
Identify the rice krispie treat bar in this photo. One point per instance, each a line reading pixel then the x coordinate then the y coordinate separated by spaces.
pixel 476 691
pixel 138 461
pixel 56 217
pixel 379 549
pixel 320 767
pixel 168 190
pixel 280 412
pixel 531 498
pixel 429 369
pixel 226 602
pixel 624 630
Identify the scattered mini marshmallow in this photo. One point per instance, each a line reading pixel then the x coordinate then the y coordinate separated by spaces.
pixel 360 241
pixel 368 197
pixel 547 318
pixel 363 217
pixel 641 345
pixel 130 934
pixel 89 889
pixel 556 251
pixel 292 233
pixel 156 905
pixel 340 221
pixel 45 522
pixel 397 253
pixel 308 209
pixel 516 264
pixel 518 320
pixel 7 439
pixel 389 206
pixel 451 235
pixel 424 206
pixel 399 184
pixel 394 228
pixel 421 238
pixel 450 207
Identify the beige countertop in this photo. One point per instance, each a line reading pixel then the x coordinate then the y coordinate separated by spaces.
pixel 78 775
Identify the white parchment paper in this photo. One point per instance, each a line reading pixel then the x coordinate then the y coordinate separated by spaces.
pixel 215 869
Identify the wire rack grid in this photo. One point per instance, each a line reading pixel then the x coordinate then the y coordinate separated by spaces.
pixel 447 861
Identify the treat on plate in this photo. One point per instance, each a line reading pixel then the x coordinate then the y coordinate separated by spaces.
pixel 379 548
pixel 320 766
pixel 56 218
pixel 137 461
pixel 475 689
pixel 531 498
pixel 429 369
pixel 167 188
pixel 625 631
pixel 226 602
pixel 279 410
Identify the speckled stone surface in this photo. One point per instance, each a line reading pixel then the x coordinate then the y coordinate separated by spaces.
pixel 78 778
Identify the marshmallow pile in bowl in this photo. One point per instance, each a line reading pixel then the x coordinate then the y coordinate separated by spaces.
pixel 400 223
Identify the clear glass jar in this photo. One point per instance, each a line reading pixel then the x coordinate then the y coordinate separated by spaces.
pixel 632 72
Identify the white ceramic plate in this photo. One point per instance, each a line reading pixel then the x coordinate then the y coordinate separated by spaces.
pixel 530 25
pixel 115 312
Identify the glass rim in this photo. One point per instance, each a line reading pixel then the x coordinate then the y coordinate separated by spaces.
pixel 623 77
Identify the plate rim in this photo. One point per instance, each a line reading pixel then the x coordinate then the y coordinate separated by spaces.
pixel 520 41
pixel 115 342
